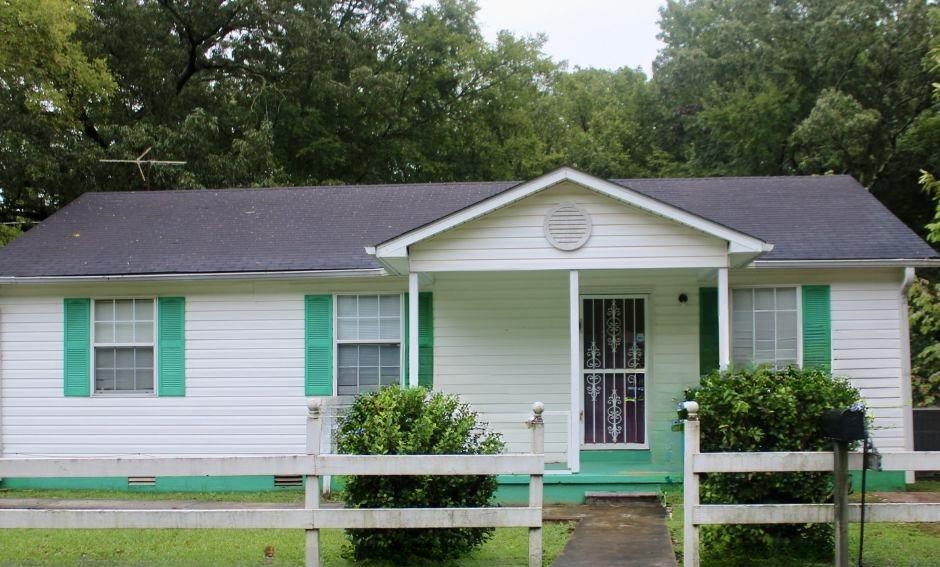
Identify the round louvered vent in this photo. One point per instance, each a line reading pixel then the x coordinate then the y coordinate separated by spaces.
pixel 567 226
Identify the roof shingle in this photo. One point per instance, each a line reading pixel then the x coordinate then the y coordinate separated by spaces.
pixel 327 228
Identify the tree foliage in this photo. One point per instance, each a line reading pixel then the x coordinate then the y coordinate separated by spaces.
pixel 297 92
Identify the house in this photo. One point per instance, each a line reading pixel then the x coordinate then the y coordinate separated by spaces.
pixel 198 322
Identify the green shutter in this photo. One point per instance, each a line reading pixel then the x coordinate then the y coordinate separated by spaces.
pixel 707 329
pixel 817 328
pixel 405 339
pixel 426 339
pixel 171 346
pixel 77 345
pixel 318 345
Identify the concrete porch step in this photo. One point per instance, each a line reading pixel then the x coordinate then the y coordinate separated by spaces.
pixel 623 498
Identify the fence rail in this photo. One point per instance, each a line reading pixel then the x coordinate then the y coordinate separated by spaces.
pixel 313 465
pixel 697 514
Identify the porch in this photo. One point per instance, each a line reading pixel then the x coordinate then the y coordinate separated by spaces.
pixel 504 337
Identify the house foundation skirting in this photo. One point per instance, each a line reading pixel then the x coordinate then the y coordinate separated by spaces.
pixel 558 488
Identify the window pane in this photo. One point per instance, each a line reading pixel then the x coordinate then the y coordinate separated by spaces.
pixel 346 378
pixel 144 380
pixel 104 310
pixel 763 298
pixel 144 358
pixel 764 326
pixel 368 329
pixel 124 358
pixel 390 355
pixel 346 306
pixel 390 305
pixel 104 358
pixel 124 380
pixel 124 310
pixel 143 332
pixel 390 329
pixel 347 356
pixel 368 376
pixel 104 380
pixel 743 300
pixel 786 327
pixel 390 375
pixel 368 355
pixel 123 332
pixel 786 298
pixel 368 306
pixel 347 329
pixel 104 332
pixel 143 310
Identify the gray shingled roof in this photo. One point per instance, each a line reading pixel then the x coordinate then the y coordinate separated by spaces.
pixel 327 228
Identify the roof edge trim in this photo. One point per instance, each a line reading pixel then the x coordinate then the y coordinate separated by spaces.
pixel 856 263
pixel 397 247
pixel 282 275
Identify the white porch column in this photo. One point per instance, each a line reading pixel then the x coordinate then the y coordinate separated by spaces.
pixel 574 334
pixel 412 380
pixel 724 328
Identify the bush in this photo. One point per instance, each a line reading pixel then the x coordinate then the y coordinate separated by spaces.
pixel 397 421
pixel 768 410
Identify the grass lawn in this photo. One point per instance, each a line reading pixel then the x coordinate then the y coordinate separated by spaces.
pixel 886 545
pixel 131 548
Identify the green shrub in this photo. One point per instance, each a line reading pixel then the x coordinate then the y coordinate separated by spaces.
pixel 397 421
pixel 764 409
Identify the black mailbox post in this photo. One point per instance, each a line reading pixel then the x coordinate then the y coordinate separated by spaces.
pixel 844 425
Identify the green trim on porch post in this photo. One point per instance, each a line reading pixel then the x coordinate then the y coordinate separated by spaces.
pixel 707 330
pixel 426 339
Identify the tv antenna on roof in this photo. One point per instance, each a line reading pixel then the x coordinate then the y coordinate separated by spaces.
pixel 139 161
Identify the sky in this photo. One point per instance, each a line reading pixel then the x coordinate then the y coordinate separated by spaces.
pixel 608 34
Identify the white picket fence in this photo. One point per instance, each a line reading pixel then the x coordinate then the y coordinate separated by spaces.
pixel 697 463
pixel 313 465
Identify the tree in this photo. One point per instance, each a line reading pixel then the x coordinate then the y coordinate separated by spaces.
pixel 48 87
pixel 758 87
pixel 924 300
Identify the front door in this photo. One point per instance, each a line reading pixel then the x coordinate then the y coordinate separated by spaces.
pixel 613 383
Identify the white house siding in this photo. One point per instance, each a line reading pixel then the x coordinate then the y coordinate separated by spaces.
pixel 501 342
pixel 867 335
pixel 244 373
pixel 623 236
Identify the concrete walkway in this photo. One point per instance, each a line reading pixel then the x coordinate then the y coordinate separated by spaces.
pixel 613 533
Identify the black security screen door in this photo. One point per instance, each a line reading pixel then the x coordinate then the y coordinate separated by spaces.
pixel 614 371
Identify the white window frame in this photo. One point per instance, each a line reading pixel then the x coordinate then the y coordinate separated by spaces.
pixel 799 316
pixel 402 314
pixel 94 351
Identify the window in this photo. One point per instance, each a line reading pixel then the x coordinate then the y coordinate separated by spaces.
pixel 368 342
pixel 765 326
pixel 123 335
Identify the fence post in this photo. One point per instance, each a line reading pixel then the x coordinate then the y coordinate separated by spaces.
pixel 537 425
pixel 840 497
pixel 312 484
pixel 690 487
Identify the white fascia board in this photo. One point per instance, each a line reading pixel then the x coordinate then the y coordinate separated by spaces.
pixel 282 275
pixel 397 247
pixel 861 263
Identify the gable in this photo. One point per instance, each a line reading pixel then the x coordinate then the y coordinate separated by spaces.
pixel 621 236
